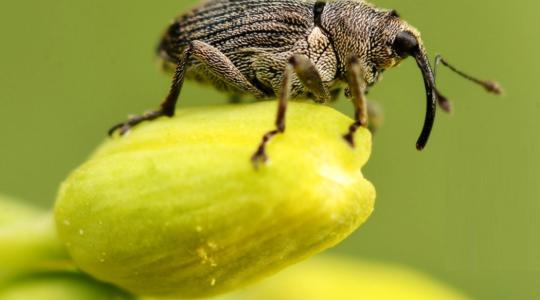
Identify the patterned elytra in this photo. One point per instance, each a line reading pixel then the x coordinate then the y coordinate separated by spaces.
pixel 258 36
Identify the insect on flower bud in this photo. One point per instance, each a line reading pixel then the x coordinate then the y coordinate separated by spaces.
pixel 177 209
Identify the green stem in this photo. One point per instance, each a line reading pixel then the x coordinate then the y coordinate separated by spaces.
pixel 32 246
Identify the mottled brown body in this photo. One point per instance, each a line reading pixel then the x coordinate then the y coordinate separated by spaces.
pixel 259 36
pixel 293 49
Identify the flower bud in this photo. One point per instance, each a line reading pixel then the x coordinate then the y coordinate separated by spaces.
pixel 28 241
pixel 13 212
pixel 176 208
pixel 340 278
pixel 60 286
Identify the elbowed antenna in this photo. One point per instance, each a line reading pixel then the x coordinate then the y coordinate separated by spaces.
pixel 431 97
pixel 490 86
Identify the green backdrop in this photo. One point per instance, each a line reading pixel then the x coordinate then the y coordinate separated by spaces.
pixel 465 210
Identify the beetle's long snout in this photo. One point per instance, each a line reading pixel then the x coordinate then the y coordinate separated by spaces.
pixel 431 94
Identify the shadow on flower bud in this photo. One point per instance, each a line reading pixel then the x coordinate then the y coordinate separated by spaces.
pixel 177 209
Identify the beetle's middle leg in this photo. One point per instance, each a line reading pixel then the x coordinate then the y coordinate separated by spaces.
pixel 311 79
pixel 357 87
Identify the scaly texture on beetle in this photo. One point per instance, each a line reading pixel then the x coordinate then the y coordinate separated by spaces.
pixel 292 49
pixel 259 36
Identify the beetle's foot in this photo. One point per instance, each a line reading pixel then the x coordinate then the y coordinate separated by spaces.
pixel 260 156
pixel 125 127
pixel 349 136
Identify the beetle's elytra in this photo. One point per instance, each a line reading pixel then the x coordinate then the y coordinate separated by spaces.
pixel 293 49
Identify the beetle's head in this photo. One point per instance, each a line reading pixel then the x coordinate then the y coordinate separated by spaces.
pixel 378 40
pixel 392 42
pixel 407 42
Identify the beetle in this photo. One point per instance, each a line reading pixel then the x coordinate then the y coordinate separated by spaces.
pixel 293 49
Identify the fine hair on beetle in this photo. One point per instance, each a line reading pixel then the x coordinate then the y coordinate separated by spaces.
pixel 290 49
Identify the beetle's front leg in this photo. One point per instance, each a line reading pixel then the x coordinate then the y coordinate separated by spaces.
pixel 311 79
pixel 357 87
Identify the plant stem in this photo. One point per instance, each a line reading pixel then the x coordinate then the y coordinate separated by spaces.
pixel 32 246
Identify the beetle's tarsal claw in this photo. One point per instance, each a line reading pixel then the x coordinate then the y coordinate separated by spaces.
pixel 121 128
pixel 113 129
pixel 349 136
pixel 260 157
pixel 125 127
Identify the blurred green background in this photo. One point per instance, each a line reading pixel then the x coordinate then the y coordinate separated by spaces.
pixel 465 210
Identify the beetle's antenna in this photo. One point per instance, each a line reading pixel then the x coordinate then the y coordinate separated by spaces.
pixel 444 103
pixel 490 86
pixel 431 95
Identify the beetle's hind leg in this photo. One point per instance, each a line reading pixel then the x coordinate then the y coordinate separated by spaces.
pixel 311 79
pixel 168 106
pixel 214 61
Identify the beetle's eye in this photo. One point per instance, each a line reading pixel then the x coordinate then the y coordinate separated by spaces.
pixel 405 44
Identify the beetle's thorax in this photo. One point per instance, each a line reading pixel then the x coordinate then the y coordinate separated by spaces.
pixel 360 29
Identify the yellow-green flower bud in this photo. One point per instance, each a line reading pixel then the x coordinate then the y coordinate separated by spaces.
pixel 12 212
pixel 28 241
pixel 339 278
pixel 60 286
pixel 177 209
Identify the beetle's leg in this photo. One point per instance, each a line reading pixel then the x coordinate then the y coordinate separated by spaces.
pixel 167 106
pixel 283 95
pixel 311 79
pixel 211 58
pixel 357 87
pixel 221 66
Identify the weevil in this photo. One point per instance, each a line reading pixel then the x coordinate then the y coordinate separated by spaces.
pixel 293 49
